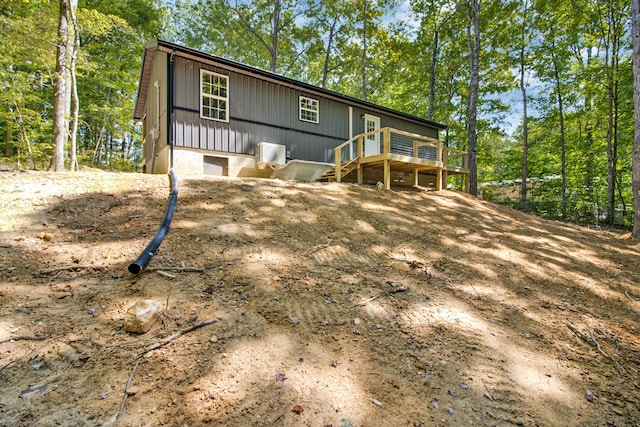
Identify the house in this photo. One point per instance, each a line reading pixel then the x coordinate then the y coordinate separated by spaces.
pixel 208 115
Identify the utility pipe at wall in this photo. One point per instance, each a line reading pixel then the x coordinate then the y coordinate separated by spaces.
pixel 143 260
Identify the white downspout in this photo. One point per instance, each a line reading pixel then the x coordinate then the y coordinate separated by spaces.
pixel 350 131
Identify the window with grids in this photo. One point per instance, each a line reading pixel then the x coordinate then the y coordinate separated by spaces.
pixel 309 110
pixel 214 96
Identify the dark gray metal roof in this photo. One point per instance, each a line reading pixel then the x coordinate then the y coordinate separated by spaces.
pixel 155 45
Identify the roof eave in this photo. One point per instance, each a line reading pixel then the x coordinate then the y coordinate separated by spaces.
pixel 145 75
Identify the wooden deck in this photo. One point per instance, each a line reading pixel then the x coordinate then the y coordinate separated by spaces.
pixel 393 150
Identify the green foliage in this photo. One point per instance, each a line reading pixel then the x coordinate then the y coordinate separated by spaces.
pixel 112 35
pixel 577 52
pixel 26 66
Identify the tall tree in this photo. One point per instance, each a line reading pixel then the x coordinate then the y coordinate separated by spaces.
pixel 635 33
pixel 552 62
pixel 434 17
pixel 269 41
pixel 60 123
pixel 270 22
pixel 473 39
pixel 73 84
pixel 337 24
pixel 26 64
pixel 524 41
pixel 563 144
pixel 611 32
pixel 363 63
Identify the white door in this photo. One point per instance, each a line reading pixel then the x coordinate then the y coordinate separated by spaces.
pixel 371 142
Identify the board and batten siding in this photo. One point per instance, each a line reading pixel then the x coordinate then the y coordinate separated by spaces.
pixel 259 111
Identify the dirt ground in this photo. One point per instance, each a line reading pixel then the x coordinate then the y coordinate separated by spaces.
pixel 331 305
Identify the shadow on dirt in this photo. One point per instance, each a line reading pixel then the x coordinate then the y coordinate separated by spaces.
pixel 362 307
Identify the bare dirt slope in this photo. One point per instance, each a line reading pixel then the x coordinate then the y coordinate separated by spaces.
pixel 336 305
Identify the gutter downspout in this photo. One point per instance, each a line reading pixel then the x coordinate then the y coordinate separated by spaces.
pixel 155 130
pixel 171 107
pixel 350 131
pixel 143 260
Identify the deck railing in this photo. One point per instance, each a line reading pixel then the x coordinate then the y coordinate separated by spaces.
pixel 455 158
pixel 393 141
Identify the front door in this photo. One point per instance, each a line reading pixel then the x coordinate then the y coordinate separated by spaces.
pixel 371 142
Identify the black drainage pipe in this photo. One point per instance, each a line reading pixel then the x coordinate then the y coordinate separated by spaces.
pixel 144 258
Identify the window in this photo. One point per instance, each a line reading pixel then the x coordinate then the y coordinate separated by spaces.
pixel 214 96
pixel 309 110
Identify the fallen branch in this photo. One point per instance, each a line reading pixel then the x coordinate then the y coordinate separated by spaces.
pixel 72 267
pixel 26 337
pixel 158 269
pixel 318 247
pixel 174 336
pixel 487 393
pixel 384 294
pixel 3 367
pixel 628 296
pixel 124 399
pixel 591 340
pixel 165 274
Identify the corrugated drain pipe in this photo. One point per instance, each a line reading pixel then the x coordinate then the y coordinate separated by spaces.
pixel 141 263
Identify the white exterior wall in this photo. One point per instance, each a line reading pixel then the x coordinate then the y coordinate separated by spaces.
pixel 192 162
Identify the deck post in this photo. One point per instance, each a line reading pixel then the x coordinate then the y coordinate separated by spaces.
pixel 360 151
pixel 444 172
pixel 338 158
pixel 387 174
pixel 439 179
pixel 415 177
pixel 386 142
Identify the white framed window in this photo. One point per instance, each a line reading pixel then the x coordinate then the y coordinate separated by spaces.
pixel 309 110
pixel 214 96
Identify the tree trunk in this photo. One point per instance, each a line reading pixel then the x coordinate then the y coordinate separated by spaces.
pixel 60 131
pixel 327 55
pixel 590 201
pixel 525 120
pixel 612 154
pixel 124 149
pixel 74 88
pixel 364 52
pixel 97 155
pixel 270 45
pixel 274 35
pixel 432 78
pixel 635 35
pixel 23 134
pixel 563 155
pixel 8 142
pixel 525 149
pixel 473 39
pixel 614 25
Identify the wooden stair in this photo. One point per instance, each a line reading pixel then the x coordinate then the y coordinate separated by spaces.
pixel 346 169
